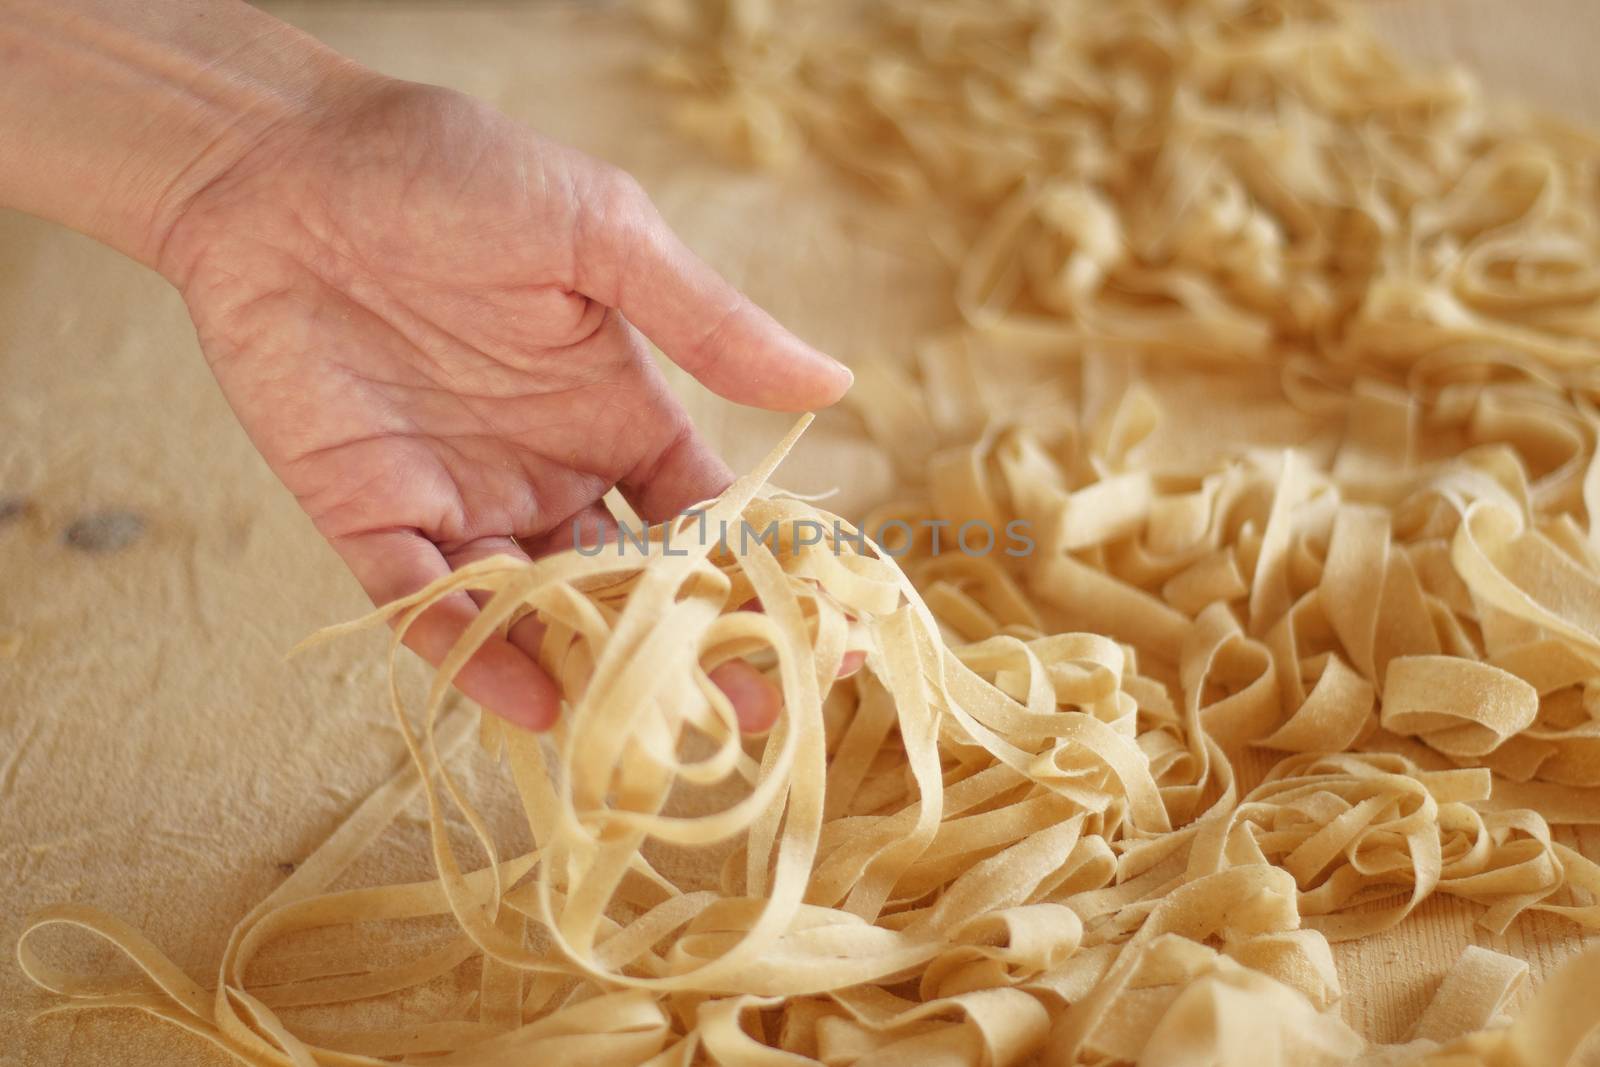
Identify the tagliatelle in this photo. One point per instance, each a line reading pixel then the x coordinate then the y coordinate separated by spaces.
pixel 1037 826
pixel 982 853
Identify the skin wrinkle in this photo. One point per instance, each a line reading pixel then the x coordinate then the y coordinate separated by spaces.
pixel 682 439
pixel 416 337
pixel 236 123
pixel 564 525
pixel 107 51
pixel 470 173
pixel 357 499
pixel 377 532
pixel 320 308
pixel 603 528
pixel 315 454
pixel 232 346
pixel 604 467
pixel 530 508
pixel 179 214
pixel 705 355
pixel 455 551
pixel 232 340
pixel 607 239
pixel 450 394
pixel 578 222
pixel 219 188
pixel 430 387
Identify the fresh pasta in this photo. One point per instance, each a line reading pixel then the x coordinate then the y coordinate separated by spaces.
pixel 1110 799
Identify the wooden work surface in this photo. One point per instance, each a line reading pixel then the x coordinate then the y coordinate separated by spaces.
pixel 158 757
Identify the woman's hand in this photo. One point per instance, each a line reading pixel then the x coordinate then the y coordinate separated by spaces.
pixel 426 316
pixel 431 321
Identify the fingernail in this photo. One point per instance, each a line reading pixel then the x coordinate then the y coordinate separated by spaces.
pixel 816 355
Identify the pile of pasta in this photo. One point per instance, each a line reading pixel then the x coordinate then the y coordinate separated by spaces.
pixel 1110 799
pixel 1000 841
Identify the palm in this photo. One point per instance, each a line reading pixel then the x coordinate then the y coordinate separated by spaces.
pixel 417 309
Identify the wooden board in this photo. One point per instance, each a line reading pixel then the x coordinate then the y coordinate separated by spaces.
pixel 157 756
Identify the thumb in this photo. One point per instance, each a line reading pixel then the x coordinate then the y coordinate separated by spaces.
pixel 629 259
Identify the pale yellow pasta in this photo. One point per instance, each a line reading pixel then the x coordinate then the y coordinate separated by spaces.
pixel 1039 825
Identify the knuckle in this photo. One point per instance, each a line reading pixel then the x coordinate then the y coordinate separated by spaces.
pixel 619 196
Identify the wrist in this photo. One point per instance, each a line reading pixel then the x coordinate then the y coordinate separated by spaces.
pixel 121 114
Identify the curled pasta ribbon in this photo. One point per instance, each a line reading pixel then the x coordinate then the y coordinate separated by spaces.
pixel 1460 708
pixel 1355 828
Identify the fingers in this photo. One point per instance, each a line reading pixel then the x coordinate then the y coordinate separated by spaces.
pixel 526 635
pixel 594 525
pixel 504 675
pixel 503 678
pixel 629 259
pixel 756 701
pixel 682 473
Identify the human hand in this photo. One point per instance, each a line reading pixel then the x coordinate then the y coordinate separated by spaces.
pixel 428 319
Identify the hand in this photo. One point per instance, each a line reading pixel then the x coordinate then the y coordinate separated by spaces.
pixel 428 320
